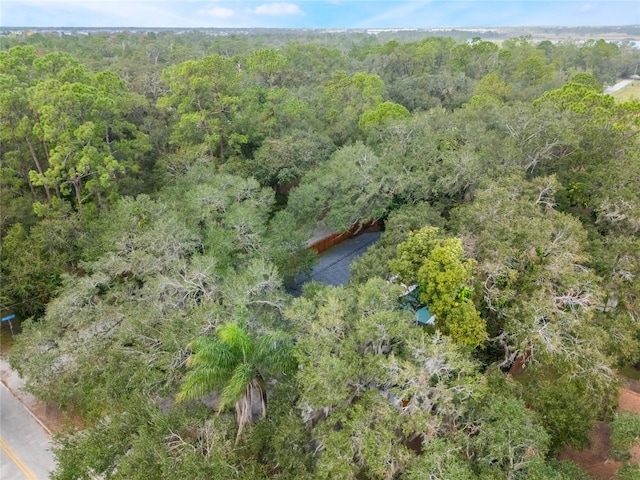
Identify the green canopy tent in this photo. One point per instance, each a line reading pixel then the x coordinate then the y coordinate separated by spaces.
pixel 410 301
pixel 424 316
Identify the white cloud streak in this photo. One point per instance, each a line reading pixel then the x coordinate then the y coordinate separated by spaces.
pixel 277 9
pixel 219 12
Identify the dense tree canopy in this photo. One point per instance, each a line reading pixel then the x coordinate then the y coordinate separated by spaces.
pixel 158 193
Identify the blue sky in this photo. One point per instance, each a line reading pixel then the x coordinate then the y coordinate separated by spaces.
pixel 316 13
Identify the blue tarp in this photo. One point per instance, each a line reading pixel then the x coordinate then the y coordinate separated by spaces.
pixel 424 317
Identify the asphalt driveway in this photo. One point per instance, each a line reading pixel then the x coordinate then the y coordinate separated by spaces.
pixel 333 265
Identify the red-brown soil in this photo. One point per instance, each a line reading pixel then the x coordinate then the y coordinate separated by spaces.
pixel 629 401
pixel 595 460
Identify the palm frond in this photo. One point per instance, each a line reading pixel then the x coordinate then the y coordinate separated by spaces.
pixel 235 337
pixel 200 381
pixel 274 353
pixel 207 351
pixel 237 385
pixel 234 361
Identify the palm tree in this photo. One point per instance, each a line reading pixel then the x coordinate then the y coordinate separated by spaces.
pixel 236 364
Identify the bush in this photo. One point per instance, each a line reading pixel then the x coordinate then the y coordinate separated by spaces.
pixel 628 472
pixel 625 432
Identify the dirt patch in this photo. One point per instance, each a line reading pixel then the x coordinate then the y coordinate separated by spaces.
pixel 53 419
pixel 629 401
pixel 635 454
pixel 633 385
pixel 594 460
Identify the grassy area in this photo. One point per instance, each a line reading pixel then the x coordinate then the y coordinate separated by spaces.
pixel 630 371
pixel 6 339
pixel 630 92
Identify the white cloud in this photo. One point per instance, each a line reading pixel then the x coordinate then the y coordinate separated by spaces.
pixel 219 12
pixel 277 9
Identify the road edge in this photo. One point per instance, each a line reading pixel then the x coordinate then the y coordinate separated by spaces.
pixel 18 397
pixel 10 380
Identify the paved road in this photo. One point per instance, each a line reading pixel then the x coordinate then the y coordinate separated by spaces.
pixel 24 445
pixel 618 86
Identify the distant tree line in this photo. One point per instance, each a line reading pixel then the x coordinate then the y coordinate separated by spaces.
pixel 148 236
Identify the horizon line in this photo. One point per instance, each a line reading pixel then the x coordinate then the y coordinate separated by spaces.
pixel 322 28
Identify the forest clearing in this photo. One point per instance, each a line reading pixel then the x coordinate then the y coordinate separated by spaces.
pixel 629 92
